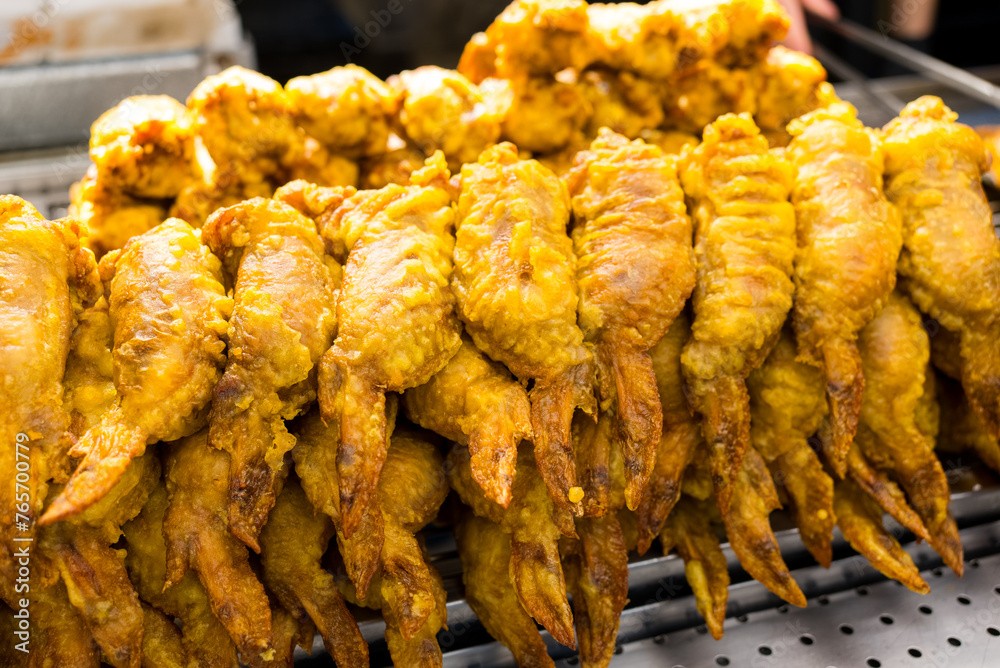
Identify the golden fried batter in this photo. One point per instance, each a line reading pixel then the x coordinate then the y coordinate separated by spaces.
pixel 517 294
pixel 625 103
pixel 110 216
pixel 695 98
pixel 395 165
pixel 396 317
pixel 284 319
pixel 635 270
pixel 46 279
pixel 484 549
pixel 144 146
pixel 786 85
pixel 744 248
pixel 169 311
pixel 849 238
pixel 198 538
pixel 475 401
pixel 162 644
pixel 951 254
pixel 545 114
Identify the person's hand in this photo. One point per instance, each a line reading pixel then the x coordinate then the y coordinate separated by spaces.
pixel 798 33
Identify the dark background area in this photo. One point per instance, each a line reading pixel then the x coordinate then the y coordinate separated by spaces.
pixel 295 37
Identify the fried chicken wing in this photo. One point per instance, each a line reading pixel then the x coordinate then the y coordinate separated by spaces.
pixel 59 637
pixel 787 406
pixel 144 146
pixel 635 270
pixel 787 84
pixel 292 545
pixel 111 217
pixel 395 165
pixel 545 114
pixel 951 254
pixel 347 108
pixel 88 384
pixel 475 401
pixel 744 248
pixel 860 519
pixel 46 279
pixel 961 428
pixel 849 238
pixel 688 531
pixel 695 98
pixel 283 320
pixel 681 434
pixel 169 311
pixel 396 286
pixel 534 524
pixel 198 538
pixel 900 409
pixel 484 549
pixel 205 640
pixel 162 644
pixel 625 103
pixel 517 294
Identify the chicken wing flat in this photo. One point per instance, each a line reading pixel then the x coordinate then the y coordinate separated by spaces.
pixel 635 271
pixel 688 530
pixel 787 84
pixel 475 401
pixel 441 110
pixel 484 549
pixel 849 238
pixel 744 248
pixel 347 108
pixel 517 294
pixel 951 254
pixel 283 320
pixel 860 519
pixel 144 146
pixel 596 569
pixel 749 529
pixel 681 434
pixel 169 311
pixel 396 286
pixel 534 524
pixel 37 317
pixel 198 538
pixel 787 406
pixel 900 409
pixel 292 546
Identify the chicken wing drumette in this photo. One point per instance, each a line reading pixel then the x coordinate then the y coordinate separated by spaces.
pixel 515 279
pixel 951 254
pixel 744 248
pixel 635 270
pixel 283 320
pixel 849 237
pixel 169 312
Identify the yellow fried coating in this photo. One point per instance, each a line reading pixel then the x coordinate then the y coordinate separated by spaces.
pixel 625 103
pixel 951 254
pixel 744 248
pixel 849 237
pixel 144 146
pixel 696 97
pixel 205 640
pixel 396 317
pixel 111 217
pixel 162 644
pixel 787 84
pixel 347 108
pixel 200 198
pixel 292 546
pixel 597 577
pixel 441 110
pixel 860 519
pixel 88 384
pixel 681 435
pixel 545 114
pixel 961 428
pixel 671 142
pixel 475 401
pixel 787 406
pixel 169 310
pixel 198 538
pixel 534 523
pixel 515 280
pixel 593 453
pixel 635 271
pixel 46 279
pixel 749 529
pixel 484 549
pixel 311 161
pixel 395 165
pixel 895 353
pixel 283 320
pixel 57 636
pixel 688 530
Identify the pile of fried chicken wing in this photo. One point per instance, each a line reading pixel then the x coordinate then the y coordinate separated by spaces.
pixel 631 273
